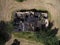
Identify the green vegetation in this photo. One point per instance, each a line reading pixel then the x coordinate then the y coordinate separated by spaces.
pixel 49 16
pixel 4 34
pixel 26 35
pixel 38 37
pixel 20 0
pixel 10 27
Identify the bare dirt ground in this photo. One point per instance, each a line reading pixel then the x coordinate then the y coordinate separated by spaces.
pixel 53 6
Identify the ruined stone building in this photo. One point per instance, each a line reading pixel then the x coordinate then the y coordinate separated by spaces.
pixel 29 20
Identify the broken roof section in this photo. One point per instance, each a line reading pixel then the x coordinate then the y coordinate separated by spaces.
pixel 29 20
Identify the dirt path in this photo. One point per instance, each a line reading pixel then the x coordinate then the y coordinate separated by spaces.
pixel 51 5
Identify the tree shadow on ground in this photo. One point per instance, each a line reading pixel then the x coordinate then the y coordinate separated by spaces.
pixel 4 35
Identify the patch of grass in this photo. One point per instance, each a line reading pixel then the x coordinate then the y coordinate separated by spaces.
pixel 10 27
pixel 49 16
pixel 42 38
pixel 27 35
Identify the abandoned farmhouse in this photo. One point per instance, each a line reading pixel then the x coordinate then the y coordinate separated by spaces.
pixel 29 20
